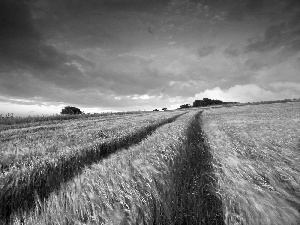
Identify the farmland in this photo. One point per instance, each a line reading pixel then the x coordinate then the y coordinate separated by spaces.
pixel 38 158
pixel 225 165
pixel 20 146
pixel 149 183
pixel 256 151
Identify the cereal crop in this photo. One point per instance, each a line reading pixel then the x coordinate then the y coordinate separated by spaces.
pixel 44 157
pixel 165 179
pixel 256 151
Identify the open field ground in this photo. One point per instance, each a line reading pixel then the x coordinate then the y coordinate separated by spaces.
pixel 9 121
pixel 230 165
pixel 164 179
pixel 21 146
pixel 256 151
pixel 35 160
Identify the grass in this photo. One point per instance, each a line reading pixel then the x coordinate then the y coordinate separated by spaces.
pixel 45 174
pixel 165 179
pixel 19 147
pixel 9 121
pixel 256 152
pixel 232 165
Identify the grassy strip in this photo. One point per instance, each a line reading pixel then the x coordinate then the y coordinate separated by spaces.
pixel 165 179
pixel 18 188
pixel 256 152
pixel 9 121
pixel 20 147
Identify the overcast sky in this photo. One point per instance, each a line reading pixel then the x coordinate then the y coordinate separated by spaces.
pixel 120 55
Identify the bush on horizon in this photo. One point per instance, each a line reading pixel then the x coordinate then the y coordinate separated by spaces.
pixel 71 110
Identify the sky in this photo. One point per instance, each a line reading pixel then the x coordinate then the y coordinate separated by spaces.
pixel 125 55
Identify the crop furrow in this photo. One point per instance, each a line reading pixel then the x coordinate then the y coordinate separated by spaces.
pixel 165 179
pixel 18 188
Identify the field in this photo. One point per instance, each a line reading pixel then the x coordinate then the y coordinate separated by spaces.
pixel 256 151
pixel 21 146
pixel 37 159
pixel 227 165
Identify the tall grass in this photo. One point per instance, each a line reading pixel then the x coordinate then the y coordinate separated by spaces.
pixel 257 156
pixel 18 187
pixel 19 147
pixel 165 179
pixel 9 120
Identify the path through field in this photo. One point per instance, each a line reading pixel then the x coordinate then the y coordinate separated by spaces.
pixel 227 165
pixel 40 173
pixel 167 178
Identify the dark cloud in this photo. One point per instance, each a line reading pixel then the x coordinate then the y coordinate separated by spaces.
pixel 136 5
pixel 74 23
pixel 270 10
pixel 254 6
pixel 32 32
pixel 236 13
pixel 273 37
pixel 94 23
pixel 205 51
pixel 235 10
pixel 15 21
pixel 255 64
pixel 16 29
pixel 249 8
pixel 23 50
pixel 114 51
pixel 231 51
pixel 151 29
pixel 79 8
pixel 285 35
pixel 129 83
pixel 292 5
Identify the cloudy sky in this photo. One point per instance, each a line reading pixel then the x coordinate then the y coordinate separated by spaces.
pixel 120 55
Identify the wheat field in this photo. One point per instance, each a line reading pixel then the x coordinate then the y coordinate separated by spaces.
pixel 40 169
pixel 225 165
pixel 256 151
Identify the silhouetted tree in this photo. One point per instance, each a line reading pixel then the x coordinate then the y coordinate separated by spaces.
pixel 198 103
pixel 207 102
pixel 70 110
pixel 185 106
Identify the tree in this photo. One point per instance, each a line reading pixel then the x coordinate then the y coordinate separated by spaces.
pixel 206 102
pixel 198 103
pixel 71 110
pixel 185 106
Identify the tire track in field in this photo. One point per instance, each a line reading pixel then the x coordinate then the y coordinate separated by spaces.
pixel 19 195
pixel 197 201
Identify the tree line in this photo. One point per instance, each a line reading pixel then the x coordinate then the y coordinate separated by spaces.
pixel 205 102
